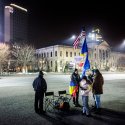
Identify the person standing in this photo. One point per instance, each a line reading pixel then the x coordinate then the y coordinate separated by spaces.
pixel 97 89
pixel 75 79
pixel 85 86
pixel 40 87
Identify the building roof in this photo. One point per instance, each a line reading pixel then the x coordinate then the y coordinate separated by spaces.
pixel 69 42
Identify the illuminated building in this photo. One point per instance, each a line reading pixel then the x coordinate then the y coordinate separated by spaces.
pixel 15 24
pixel 1 20
pixel 101 56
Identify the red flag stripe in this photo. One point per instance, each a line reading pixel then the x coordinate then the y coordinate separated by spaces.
pixel 78 39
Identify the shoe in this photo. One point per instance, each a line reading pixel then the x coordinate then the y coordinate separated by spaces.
pixel 83 113
pixel 37 111
pixel 42 112
pixel 89 115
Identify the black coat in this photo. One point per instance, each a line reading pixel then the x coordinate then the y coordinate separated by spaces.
pixel 75 78
pixel 39 84
pixel 98 84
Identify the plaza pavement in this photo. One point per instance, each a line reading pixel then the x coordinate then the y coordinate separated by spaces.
pixel 17 97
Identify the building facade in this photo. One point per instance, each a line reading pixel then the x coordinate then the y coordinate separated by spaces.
pixel 15 24
pixel 56 58
pixel 1 21
pixel 59 58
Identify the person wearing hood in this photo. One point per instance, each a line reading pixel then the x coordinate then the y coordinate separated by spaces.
pixel 40 87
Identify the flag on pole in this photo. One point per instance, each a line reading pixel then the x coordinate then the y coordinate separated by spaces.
pixel 84 52
pixel 73 88
pixel 84 48
pixel 86 65
pixel 78 39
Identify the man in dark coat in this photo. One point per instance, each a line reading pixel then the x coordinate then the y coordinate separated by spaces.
pixel 75 78
pixel 40 87
pixel 97 88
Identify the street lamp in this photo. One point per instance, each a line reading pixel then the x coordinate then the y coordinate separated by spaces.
pixel 92 36
pixel 73 37
pixel 95 35
pixel 124 43
pixel 122 46
pixel 70 39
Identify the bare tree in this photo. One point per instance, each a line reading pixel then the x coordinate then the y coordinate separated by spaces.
pixel 24 54
pixel 4 53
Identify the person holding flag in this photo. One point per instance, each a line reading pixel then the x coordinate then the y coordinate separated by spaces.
pixel 74 87
pixel 84 52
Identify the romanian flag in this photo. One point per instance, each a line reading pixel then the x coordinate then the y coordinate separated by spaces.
pixel 73 88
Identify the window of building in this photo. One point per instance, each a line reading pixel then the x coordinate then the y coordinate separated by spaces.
pixel 44 54
pixel 106 53
pixel 66 54
pixel 74 53
pixel 51 63
pixel 90 55
pixel 47 54
pixel 55 53
pixel 103 55
pixel 55 66
pixel 60 63
pixel 70 54
pixel 61 53
pixel 95 55
pixel 37 55
pixel 51 54
pixel 40 55
pixel 100 54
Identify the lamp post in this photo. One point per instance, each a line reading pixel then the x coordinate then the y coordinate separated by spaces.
pixel 73 37
pixel 122 46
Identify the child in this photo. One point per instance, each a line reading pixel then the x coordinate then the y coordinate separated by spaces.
pixel 85 89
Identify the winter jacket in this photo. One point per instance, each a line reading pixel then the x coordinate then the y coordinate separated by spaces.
pixel 75 78
pixel 85 88
pixel 98 84
pixel 39 84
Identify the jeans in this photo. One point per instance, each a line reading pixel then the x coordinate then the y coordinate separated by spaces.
pixel 85 104
pixel 97 100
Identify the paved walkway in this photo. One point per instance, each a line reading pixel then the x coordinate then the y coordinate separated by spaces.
pixel 74 117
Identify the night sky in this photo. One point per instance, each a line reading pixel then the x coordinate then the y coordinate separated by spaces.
pixel 51 21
